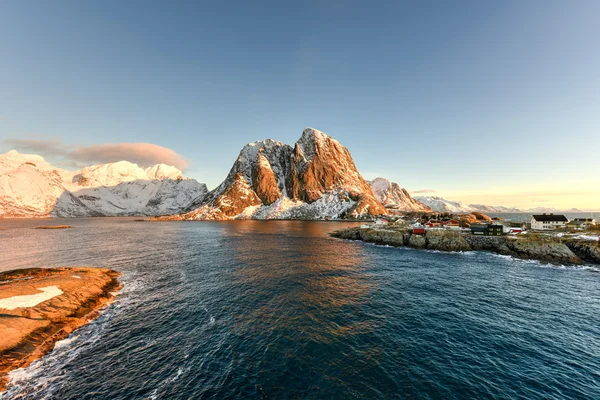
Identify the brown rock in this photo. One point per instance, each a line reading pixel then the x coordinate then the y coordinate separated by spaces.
pixel 264 182
pixel 329 165
pixel 27 333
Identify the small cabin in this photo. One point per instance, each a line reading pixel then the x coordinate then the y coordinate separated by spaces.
pixel 453 224
pixel 418 229
pixel 487 229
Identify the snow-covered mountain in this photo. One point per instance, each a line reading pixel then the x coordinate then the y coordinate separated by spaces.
pixel 494 209
pixel 315 179
pixel 440 204
pixel 392 196
pixel 31 187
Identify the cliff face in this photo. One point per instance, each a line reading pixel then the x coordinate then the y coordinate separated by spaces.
pixel 314 179
pixel 394 197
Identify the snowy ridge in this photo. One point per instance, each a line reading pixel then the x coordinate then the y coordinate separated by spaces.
pixel 392 196
pixel 440 204
pixel 31 187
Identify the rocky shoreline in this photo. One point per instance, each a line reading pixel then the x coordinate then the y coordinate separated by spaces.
pixel 532 246
pixel 29 330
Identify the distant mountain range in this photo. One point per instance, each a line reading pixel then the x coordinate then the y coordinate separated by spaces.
pixel 440 204
pixel 31 187
pixel 394 197
pixel 443 205
pixel 314 179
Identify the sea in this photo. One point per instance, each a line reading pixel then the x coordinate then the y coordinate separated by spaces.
pixel 281 310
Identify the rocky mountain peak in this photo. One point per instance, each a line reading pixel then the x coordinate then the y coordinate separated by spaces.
pixel 294 180
pixel 312 140
pixel 163 171
pixel 392 196
pixel 111 174
pixel 13 159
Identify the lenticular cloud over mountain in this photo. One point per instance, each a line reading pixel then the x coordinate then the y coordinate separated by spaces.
pixel 144 154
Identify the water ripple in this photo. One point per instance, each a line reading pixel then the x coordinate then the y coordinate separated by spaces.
pixel 280 310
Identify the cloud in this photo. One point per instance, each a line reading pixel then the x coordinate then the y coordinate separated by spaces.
pixel 144 154
pixel 423 191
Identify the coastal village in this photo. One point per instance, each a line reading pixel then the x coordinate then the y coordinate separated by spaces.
pixel 478 223
pixel 545 237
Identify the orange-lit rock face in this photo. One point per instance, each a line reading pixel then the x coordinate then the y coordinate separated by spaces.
pixel 326 169
pixel 317 177
pixel 323 164
pixel 264 182
pixel 237 197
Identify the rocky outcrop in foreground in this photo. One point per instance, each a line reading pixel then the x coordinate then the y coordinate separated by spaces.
pixel 536 247
pixel 39 307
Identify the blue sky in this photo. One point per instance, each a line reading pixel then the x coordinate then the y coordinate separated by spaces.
pixel 495 102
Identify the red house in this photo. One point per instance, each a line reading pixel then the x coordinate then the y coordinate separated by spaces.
pixel 453 224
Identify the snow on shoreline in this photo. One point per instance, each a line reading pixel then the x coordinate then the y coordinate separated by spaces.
pixel 30 300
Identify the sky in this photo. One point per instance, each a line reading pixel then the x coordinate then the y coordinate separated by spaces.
pixel 484 102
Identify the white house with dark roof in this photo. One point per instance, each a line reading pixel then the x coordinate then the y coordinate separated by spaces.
pixel 548 222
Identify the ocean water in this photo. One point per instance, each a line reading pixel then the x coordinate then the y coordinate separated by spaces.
pixel 274 310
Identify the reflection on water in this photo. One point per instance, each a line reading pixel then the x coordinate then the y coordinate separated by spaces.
pixel 311 288
pixel 254 309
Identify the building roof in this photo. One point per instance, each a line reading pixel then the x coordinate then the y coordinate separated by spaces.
pixel 479 226
pixel 550 218
pixel 486 226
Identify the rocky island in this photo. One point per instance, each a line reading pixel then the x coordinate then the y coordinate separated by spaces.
pixel 534 246
pixel 55 227
pixel 39 307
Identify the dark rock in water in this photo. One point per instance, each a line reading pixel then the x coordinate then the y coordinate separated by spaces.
pixel 392 238
pixel 551 250
pixel 446 241
pixel 418 241
pixel 54 227
pixel 585 249
pixel 530 247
